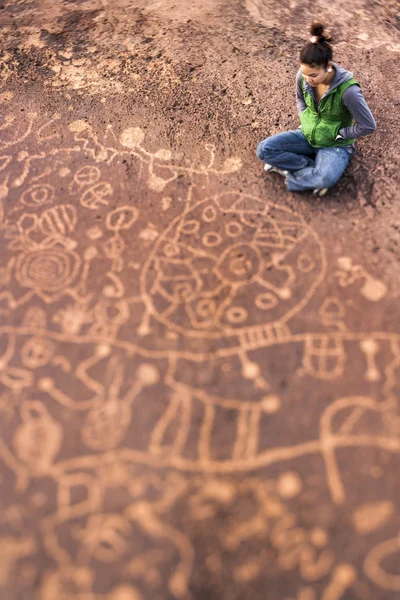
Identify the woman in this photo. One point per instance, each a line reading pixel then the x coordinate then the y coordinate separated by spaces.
pixel 328 99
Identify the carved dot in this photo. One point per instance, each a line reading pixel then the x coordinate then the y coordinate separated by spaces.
pixel 285 293
pixel 346 573
pixel 125 592
pixel 271 404
pixel 109 291
pixel 46 384
pixel 78 126
pixel 369 346
pixel 90 253
pixel 103 350
pixel 251 370
pixel 148 374
pixel 289 485
pixel 345 262
pixel 132 137
pixel 319 537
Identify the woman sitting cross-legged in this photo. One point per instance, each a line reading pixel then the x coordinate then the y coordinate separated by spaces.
pixel 333 113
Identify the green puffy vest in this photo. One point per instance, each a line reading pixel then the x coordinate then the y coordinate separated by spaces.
pixel 321 125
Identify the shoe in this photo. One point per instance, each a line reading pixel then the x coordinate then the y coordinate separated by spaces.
pixel 270 169
pixel 320 192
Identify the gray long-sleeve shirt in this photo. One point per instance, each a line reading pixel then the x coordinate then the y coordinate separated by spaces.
pixel 352 98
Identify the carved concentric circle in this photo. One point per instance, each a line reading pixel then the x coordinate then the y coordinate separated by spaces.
pixel 48 270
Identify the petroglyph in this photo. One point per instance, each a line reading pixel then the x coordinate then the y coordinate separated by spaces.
pixel 210 276
pixel 140 377
pixel 375 569
pixel 373 289
pixel 369 517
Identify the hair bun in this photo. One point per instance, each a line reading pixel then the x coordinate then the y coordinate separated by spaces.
pixel 317 29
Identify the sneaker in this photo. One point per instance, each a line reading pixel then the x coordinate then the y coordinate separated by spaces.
pixel 270 169
pixel 320 192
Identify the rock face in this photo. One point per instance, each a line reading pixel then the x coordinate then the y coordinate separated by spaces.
pixel 199 372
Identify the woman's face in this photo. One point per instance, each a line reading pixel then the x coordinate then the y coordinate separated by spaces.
pixel 315 75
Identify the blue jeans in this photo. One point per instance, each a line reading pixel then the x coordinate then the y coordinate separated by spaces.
pixel 309 168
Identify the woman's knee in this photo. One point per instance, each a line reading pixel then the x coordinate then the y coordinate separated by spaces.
pixel 325 179
pixel 263 149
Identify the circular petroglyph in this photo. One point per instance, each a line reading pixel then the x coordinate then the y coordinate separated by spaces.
pixel 48 269
pixel 121 218
pixel 37 195
pixel 289 485
pixel 88 175
pixel 37 352
pixel 97 195
pixel 199 282
pixel 132 137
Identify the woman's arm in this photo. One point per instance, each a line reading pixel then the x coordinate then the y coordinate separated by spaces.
pixel 301 105
pixel 354 101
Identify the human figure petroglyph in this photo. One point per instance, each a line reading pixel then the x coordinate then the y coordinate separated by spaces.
pixel 332 313
pixel 160 168
pixel 106 424
pixel 21 167
pixel 118 220
pixel 372 289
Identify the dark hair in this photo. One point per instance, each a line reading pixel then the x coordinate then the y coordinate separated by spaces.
pixel 319 53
